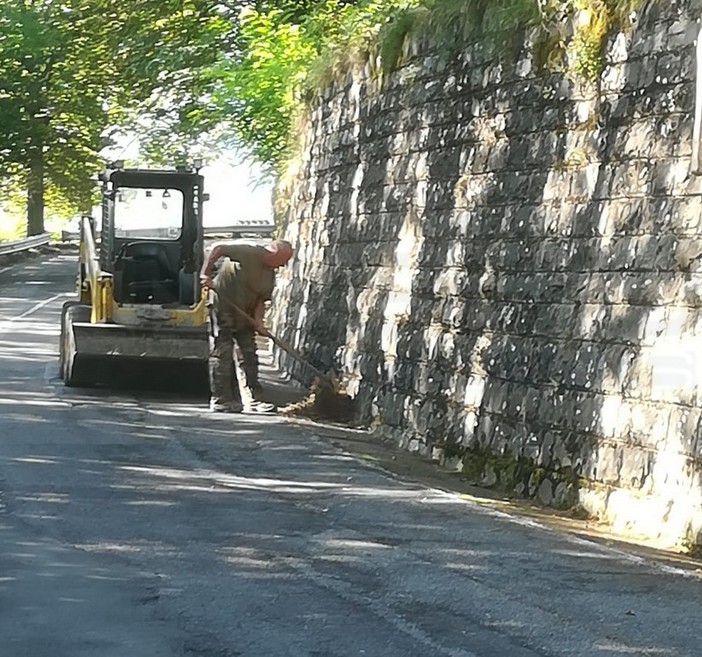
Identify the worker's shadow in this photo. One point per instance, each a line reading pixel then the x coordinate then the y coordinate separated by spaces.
pixel 181 380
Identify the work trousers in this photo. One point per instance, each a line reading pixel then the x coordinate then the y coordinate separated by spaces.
pixel 233 362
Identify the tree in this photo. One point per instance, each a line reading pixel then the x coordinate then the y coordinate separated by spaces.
pixel 71 70
pixel 284 50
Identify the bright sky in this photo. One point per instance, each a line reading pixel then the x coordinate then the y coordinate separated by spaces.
pixel 237 193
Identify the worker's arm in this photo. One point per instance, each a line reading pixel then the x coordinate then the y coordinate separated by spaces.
pixel 214 254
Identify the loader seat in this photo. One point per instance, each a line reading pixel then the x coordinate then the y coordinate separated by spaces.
pixel 145 274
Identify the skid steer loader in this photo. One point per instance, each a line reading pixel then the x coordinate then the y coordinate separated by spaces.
pixel 139 296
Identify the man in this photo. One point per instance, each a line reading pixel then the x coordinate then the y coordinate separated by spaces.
pixel 245 280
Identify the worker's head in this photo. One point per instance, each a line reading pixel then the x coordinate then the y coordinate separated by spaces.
pixel 277 253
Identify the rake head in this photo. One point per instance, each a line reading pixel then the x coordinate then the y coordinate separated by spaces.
pixel 326 400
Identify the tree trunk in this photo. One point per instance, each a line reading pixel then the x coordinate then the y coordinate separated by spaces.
pixel 35 197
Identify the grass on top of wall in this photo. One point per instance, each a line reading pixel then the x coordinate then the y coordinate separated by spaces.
pixel 569 35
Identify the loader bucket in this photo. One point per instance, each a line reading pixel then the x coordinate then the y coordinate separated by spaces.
pixel 171 358
pixel 161 343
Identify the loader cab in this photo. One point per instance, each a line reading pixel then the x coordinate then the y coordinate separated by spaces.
pixel 152 239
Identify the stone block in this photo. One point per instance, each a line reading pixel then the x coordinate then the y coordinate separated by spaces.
pixel 627 324
pixel 608 463
pixel 649 424
pixel 586 370
pixel 684 429
pixel 591 319
pixel 687 254
pixel 542 362
pixel 545 492
pixel 676 371
pixel 640 289
pixel 558 320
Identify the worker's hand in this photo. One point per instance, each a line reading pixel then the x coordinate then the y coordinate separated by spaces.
pixel 206 281
pixel 261 329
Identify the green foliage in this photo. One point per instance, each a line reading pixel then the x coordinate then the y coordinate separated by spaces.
pixel 579 53
pixel 46 98
pixel 358 36
pixel 394 35
pixel 492 22
pixel 285 52
pixel 71 70
pixel 519 475
pixel 256 95
pixel 163 52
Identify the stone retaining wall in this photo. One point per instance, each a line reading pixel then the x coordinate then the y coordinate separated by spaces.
pixel 507 267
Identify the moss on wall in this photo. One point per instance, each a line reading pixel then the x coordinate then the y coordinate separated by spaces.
pixel 518 476
pixel 569 35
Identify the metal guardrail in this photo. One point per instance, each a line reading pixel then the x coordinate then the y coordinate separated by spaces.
pixel 253 228
pixel 17 246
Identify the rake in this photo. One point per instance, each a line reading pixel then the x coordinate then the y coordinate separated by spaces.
pixel 325 398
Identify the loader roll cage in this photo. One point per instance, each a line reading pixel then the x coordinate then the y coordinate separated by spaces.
pixel 151 263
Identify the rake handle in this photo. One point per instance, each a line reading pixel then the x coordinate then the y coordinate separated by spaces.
pixel 285 346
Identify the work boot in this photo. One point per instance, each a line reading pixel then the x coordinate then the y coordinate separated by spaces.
pixel 259 408
pixel 225 407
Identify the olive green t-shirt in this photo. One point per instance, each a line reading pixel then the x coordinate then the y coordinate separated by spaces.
pixel 243 279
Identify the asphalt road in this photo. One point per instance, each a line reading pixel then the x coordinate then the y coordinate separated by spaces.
pixel 138 526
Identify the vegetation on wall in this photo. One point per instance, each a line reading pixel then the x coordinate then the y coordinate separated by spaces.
pixel 287 56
